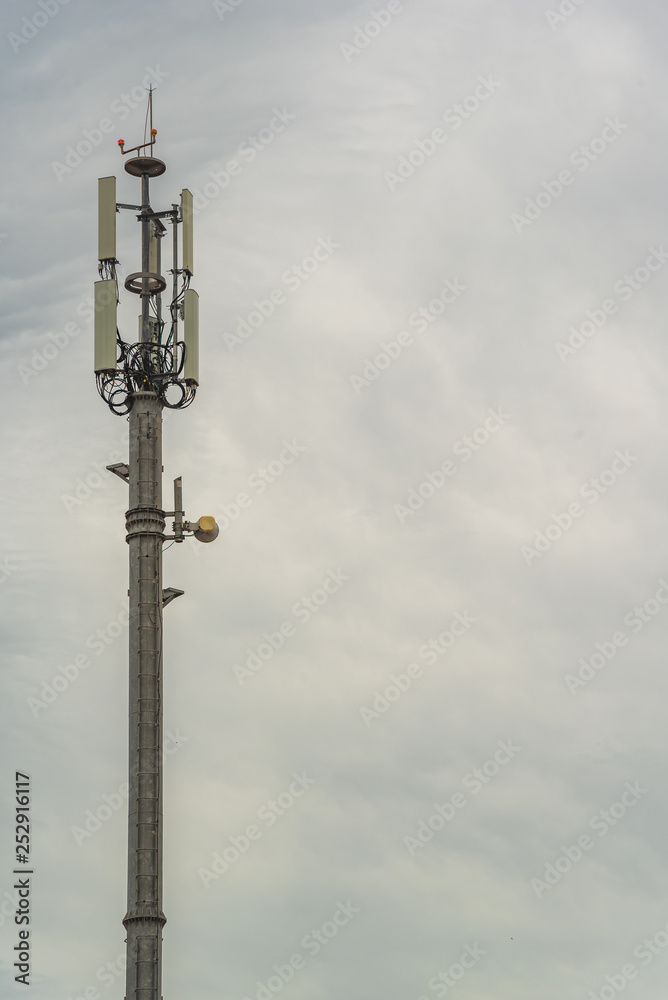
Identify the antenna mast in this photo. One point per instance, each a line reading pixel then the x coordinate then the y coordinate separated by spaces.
pixel 139 378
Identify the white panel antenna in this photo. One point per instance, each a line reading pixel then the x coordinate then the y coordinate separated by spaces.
pixel 105 326
pixel 187 217
pixel 191 335
pixel 106 218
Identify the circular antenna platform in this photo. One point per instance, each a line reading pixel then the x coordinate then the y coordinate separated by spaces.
pixel 145 165
pixel 135 282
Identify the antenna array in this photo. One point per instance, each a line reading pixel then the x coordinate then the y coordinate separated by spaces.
pixel 160 360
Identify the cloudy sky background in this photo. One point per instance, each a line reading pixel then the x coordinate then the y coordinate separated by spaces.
pixel 236 745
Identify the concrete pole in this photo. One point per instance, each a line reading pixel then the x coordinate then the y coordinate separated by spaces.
pixel 145 525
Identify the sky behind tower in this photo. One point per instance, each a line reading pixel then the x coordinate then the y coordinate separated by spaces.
pixel 414 693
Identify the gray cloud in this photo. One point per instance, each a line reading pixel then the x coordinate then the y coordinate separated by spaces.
pixel 324 177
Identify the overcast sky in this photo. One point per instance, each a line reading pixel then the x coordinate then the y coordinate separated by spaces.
pixel 431 251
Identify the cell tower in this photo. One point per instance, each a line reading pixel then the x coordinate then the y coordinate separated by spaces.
pixel 159 369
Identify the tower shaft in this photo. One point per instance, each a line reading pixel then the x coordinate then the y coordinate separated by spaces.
pixel 140 378
pixel 145 524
